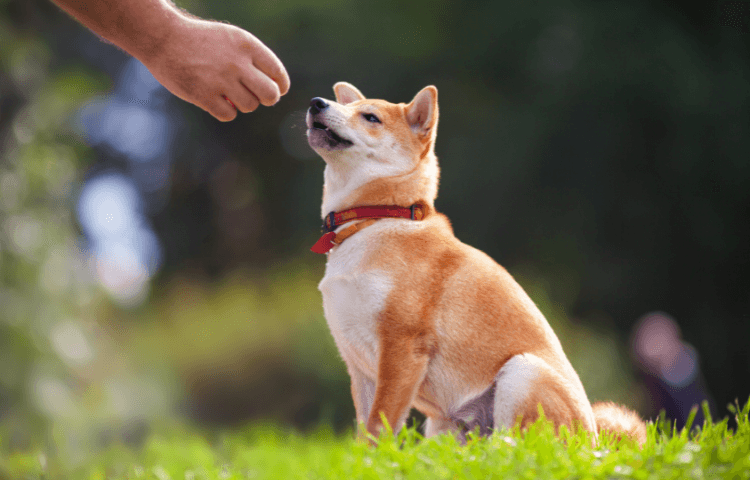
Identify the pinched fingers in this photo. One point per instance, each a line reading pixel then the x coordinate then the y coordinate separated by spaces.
pixel 267 63
pixel 242 98
pixel 264 89
pixel 220 68
pixel 272 67
pixel 246 86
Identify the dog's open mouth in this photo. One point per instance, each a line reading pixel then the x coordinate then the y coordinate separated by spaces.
pixel 321 135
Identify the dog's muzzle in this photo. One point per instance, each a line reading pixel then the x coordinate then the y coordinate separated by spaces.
pixel 319 134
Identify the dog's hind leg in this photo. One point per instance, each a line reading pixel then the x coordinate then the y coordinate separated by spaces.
pixel 525 382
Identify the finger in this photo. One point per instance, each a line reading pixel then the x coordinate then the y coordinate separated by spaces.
pixel 230 102
pixel 220 108
pixel 244 99
pixel 268 63
pixel 261 86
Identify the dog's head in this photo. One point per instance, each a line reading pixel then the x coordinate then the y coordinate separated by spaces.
pixel 363 139
pixel 371 128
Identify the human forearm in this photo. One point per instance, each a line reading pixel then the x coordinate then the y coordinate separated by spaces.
pixel 137 26
pixel 214 65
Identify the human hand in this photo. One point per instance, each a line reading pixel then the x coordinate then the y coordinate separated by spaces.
pixel 217 67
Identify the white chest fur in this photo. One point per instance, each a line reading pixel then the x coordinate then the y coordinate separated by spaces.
pixel 353 297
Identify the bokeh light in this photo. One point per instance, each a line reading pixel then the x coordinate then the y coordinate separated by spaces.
pixel 124 250
pixel 131 124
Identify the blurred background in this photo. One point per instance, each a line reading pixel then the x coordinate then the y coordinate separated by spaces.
pixel 155 263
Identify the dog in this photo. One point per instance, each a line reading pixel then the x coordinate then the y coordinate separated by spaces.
pixel 421 319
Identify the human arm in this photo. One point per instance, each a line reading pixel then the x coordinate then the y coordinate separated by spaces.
pixel 202 62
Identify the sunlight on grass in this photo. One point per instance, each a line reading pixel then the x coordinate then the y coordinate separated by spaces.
pixel 713 450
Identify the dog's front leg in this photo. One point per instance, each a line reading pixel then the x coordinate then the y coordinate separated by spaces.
pixel 363 394
pixel 401 370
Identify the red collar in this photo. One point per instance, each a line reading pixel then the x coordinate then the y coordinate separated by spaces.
pixel 335 219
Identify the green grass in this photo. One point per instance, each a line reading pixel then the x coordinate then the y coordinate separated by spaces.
pixel 713 450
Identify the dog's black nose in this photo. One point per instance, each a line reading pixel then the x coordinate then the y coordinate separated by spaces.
pixel 317 105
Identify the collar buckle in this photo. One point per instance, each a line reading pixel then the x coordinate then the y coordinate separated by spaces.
pixel 330 219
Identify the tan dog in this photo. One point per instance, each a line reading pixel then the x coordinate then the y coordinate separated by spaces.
pixel 420 318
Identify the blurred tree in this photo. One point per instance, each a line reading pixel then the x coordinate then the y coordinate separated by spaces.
pixel 40 269
pixel 60 377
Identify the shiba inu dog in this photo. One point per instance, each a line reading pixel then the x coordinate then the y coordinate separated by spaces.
pixel 420 318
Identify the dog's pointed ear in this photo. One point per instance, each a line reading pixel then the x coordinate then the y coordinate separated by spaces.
pixel 422 112
pixel 347 93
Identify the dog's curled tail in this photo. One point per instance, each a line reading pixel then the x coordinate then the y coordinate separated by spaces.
pixel 620 421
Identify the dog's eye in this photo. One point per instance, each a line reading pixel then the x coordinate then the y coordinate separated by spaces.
pixel 371 118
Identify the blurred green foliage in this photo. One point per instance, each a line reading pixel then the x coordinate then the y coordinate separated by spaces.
pixel 44 292
pixel 248 346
